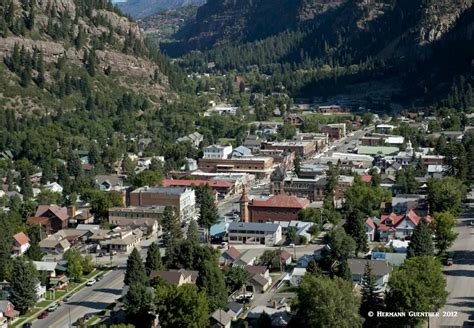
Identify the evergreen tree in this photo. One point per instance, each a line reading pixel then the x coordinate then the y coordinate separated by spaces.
pixel 171 227
pixel 25 185
pixel 297 164
pixel 153 259
pixel 421 243
pixel 139 304
pixel 23 284
pixel 74 166
pixel 35 233
pixel 355 227
pixel 208 213
pixel 10 180
pixel 135 269
pixel 6 243
pixel 211 281
pixel 193 234
pixel 370 298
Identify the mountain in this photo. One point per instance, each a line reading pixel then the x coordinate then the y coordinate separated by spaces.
pixel 316 47
pixel 144 8
pixel 63 55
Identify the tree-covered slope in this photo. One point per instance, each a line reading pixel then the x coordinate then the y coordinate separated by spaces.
pixel 145 8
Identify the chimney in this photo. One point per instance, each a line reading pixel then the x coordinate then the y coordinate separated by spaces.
pixel 71 211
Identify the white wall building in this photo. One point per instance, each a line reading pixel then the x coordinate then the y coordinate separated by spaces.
pixel 217 152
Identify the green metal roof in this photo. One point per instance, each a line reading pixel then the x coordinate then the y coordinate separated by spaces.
pixel 377 150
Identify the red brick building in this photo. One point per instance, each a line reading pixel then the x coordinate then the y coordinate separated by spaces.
pixel 276 208
pixel 52 217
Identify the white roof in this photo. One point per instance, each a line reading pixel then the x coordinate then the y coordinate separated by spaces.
pixel 435 168
pixel 45 266
pixel 298 272
pixel 395 140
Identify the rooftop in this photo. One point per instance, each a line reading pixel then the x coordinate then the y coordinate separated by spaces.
pixel 283 201
pixel 163 190
pixel 269 227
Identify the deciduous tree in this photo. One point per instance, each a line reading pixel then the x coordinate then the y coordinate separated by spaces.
pixel 443 225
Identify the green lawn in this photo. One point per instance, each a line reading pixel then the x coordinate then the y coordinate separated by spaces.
pixel 43 303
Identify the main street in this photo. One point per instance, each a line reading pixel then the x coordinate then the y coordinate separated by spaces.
pixel 460 278
pixel 88 300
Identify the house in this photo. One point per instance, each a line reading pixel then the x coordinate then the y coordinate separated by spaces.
pixel 370 229
pixel 235 309
pixel 260 278
pixel 48 267
pixel 143 143
pixel 229 256
pixel 400 226
pixel 436 171
pixel 295 120
pixel 7 313
pixel 109 182
pixel 52 217
pixel 303 148
pixel 253 142
pixel 217 152
pixel 401 203
pixel 393 169
pixel 54 187
pixel 194 138
pixel 176 277
pixel 296 276
pixel 122 240
pixel 220 187
pixel 380 269
pixel 280 315
pixel 285 257
pixel 21 243
pixel 220 319
pixel 54 244
pixel 241 151
pixel 393 259
pixel 248 257
pixel 268 234
pixel 147 226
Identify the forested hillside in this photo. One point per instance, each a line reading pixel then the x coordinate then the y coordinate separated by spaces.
pixel 145 8
pixel 323 46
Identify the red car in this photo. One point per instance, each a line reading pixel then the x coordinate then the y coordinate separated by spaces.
pixel 43 315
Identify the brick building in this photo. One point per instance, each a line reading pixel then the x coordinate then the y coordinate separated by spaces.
pixel 300 148
pixel 260 166
pixel 276 208
pixel 184 199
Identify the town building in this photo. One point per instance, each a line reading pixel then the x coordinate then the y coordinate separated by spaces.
pixel 109 182
pixel 300 148
pixel 295 120
pixel 117 214
pixel 176 277
pixel 194 138
pixel 217 152
pixel 183 198
pixel 268 234
pixel 347 160
pixel 334 131
pixel 259 280
pixel 220 187
pixel 121 240
pixel 276 208
pixel 329 109
pixel 258 166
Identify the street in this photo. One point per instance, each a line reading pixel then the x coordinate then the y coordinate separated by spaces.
pixel 460 278
pixel 88 300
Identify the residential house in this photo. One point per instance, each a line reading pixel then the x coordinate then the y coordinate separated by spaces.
pixel 436 171
pixel 194 138
pixel 268 234
pixel 260 278
pixel 370 229
pixel 400 226
pixel 21 243
pixel 143 143
pixel 295 120
pixel 241 151
pixel 148 226
pixel 229 256
pixel 54 187
pixel 220 319
pixel 296 276
pixel 7 313
pixel 54 245
pixel 380 269
pixel 253 142
pixel 393 169
pixel 109 182
pixel 217 152
pixel 121 240
pixel 52 217
pixel 176 277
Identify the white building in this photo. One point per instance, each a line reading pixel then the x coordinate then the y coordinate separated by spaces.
pixel 268 234
pixel 217 152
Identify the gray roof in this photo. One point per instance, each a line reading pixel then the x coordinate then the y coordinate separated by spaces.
pixel 379 267
pixel 163 190
pixel 221 317
pixel 268 227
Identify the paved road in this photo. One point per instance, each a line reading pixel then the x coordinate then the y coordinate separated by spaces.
pixel 88 300
pixel 460 278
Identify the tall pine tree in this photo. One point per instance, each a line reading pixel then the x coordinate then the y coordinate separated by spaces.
pixel 153 259
pixel 421 243
pixel 370 298
pixel 135 269
pixel 23 283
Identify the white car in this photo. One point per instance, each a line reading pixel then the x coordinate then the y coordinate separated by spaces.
pixel 91 282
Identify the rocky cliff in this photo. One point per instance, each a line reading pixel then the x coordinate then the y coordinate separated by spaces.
pixel 72 37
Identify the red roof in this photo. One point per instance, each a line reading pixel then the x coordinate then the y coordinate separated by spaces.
pixel 21 238
pixel 370 223
pixel 233 253
pixel 283 201
pixel 396 219
pixel 211 183
pixel 366 178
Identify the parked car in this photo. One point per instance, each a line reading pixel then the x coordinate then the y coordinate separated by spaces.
pixel 449 260
pixel 53 307
pixel 91 282
pixel 223 245
pixel 27 325
pixel 43 315
pixel 113 253
pixel 471 223
pixel 87 316
pixel 99 277
pixel 67 298
pixel 292 245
